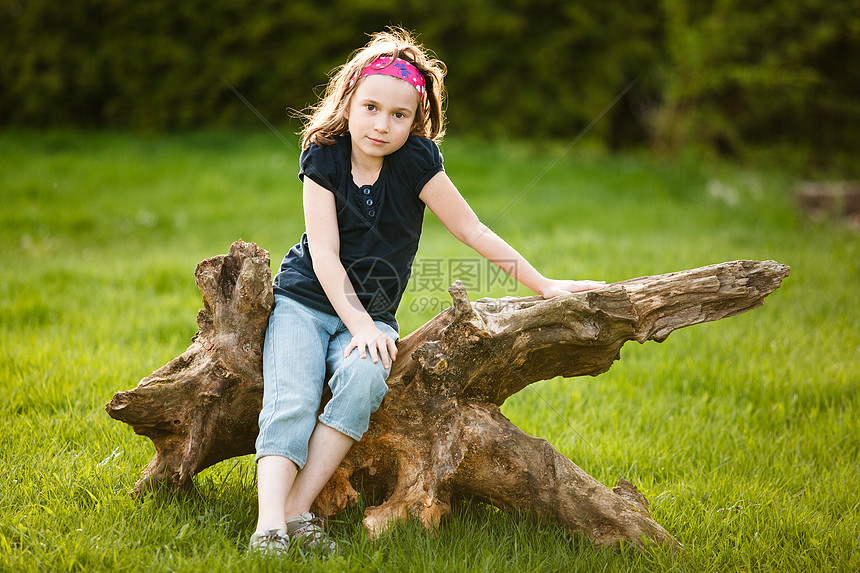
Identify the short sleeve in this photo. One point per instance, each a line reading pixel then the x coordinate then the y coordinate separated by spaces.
pixel 418 161
pixel 320 163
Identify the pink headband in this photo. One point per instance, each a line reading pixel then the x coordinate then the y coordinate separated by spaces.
pixel 397 68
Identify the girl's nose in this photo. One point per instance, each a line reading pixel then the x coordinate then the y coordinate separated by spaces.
pixel 381 125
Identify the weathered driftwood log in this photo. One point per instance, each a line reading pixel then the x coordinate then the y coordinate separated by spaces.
pixel 199 409
pixel 439 432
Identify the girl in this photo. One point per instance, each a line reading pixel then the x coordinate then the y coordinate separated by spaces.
pixel 369 166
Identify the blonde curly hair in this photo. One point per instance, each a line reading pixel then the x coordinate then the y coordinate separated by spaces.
pixel 327 119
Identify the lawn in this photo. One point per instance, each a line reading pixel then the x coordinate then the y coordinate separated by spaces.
pixel 744 434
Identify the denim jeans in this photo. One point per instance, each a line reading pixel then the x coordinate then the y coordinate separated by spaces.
pixel 304 347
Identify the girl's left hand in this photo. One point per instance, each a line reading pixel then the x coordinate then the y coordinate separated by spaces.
pixel 553 288
pixel 371 340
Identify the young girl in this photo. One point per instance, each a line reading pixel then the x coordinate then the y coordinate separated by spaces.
pixel 369 166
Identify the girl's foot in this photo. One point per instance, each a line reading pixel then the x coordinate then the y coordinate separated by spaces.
pixel 270 542
pixel 307 530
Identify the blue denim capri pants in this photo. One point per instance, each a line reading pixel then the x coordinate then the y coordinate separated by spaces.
pixel 303 347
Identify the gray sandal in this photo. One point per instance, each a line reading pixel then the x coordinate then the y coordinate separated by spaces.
pixel 270 542
pixel 307 529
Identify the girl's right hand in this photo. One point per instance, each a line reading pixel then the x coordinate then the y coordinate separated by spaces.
pixel 553 288
pixel 377 343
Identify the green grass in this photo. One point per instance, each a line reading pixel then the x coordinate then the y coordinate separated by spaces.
pixel 744 434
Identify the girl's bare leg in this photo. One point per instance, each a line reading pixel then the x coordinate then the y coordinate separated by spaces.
pixel 275 478
pixel 326 449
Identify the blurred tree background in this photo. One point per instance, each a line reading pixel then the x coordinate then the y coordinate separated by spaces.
pixel 733 77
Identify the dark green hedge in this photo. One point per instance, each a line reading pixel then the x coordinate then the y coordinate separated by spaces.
pixel 726 74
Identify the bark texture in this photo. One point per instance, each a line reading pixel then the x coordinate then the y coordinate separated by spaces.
pixel 439 432
pixel 198 409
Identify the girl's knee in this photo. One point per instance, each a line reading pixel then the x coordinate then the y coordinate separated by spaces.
pixel 365 367
pixel 372 377
pixel 362 380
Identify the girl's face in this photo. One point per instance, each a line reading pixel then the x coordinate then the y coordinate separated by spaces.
pixel 380 117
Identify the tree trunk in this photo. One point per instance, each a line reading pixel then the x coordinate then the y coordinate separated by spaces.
pixel 439 432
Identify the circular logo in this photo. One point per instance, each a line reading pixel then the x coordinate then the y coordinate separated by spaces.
pixel 376 282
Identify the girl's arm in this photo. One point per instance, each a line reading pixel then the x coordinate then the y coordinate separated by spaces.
pixel 443 198
pixel 324 243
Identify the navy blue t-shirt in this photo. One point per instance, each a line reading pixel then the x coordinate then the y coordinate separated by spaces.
pixel 379 225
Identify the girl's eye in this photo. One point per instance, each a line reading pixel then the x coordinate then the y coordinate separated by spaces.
pixel 370 107
pixel 399 115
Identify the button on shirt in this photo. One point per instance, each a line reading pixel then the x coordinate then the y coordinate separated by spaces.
pixel 367 190
pixel 379 225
